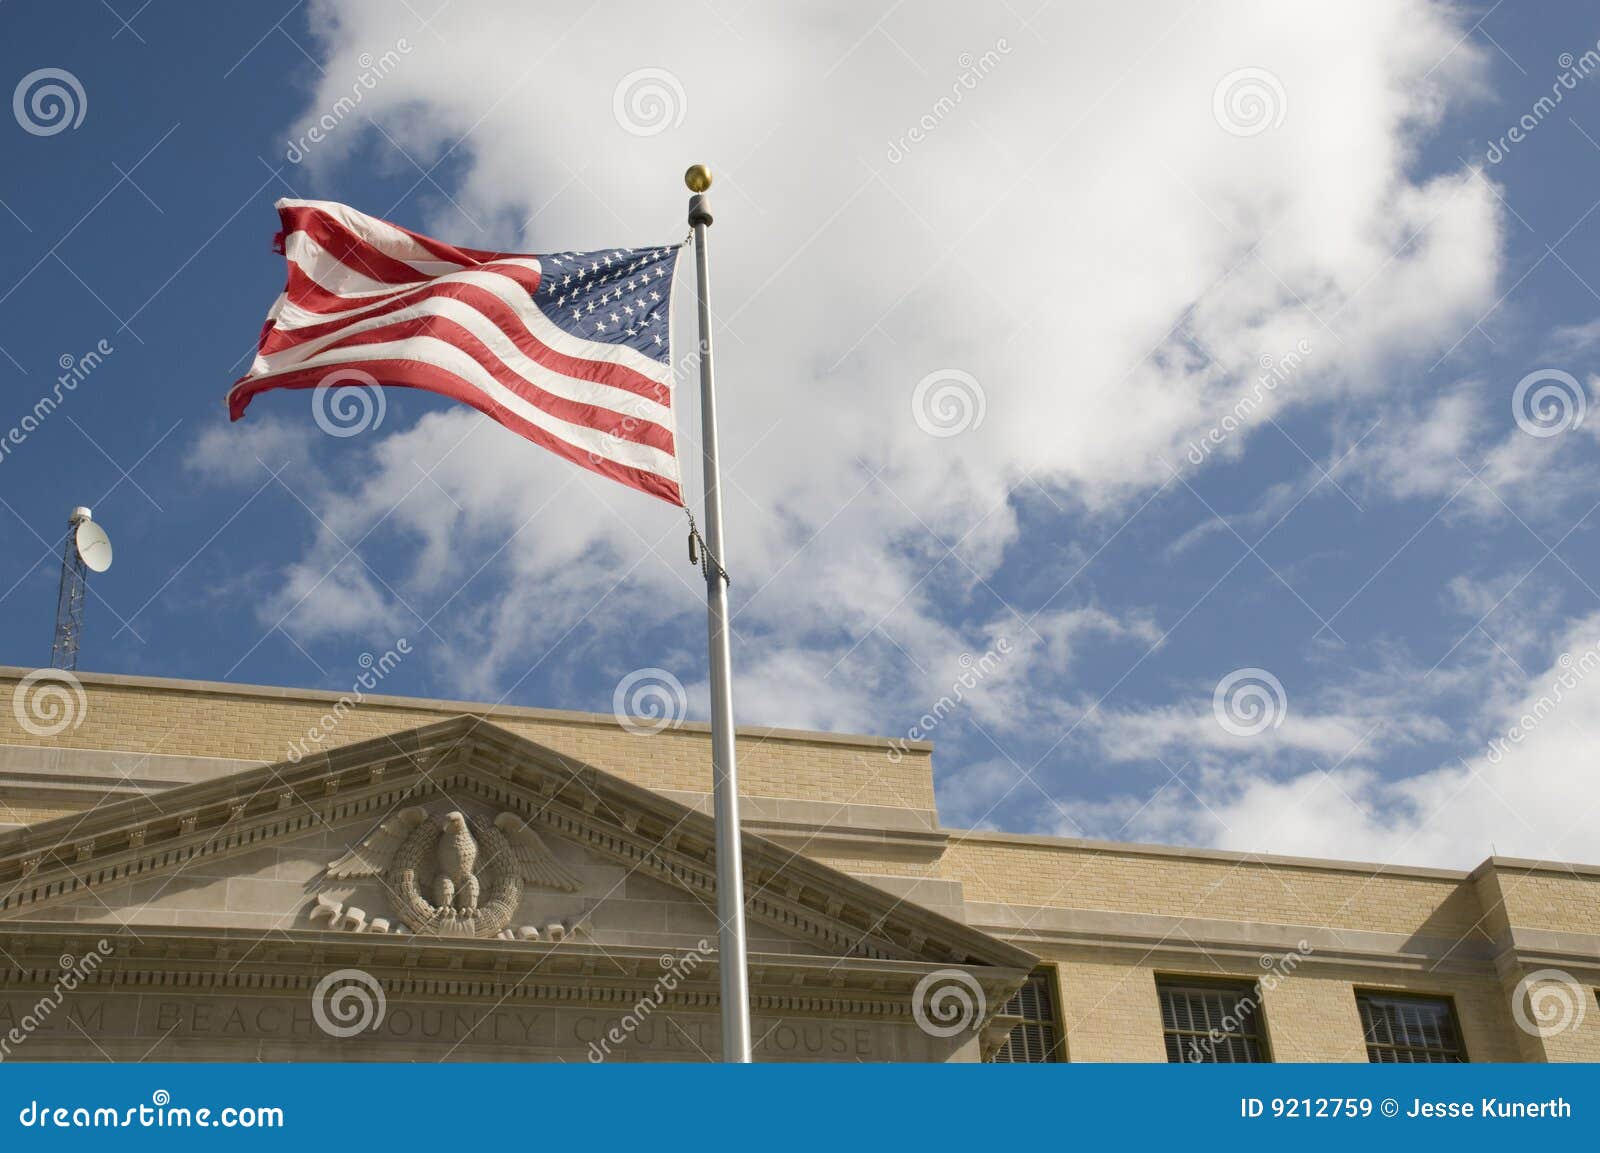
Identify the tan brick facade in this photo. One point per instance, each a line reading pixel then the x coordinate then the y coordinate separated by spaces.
pixel 1035 871
pixel 1108 920
pixel 140 715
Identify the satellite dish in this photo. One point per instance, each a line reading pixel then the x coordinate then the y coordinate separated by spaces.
pixel 94 546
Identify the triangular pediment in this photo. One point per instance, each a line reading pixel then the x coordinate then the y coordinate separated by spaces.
pixel 582 857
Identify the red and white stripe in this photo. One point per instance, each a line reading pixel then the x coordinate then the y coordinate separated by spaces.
pixel 368 296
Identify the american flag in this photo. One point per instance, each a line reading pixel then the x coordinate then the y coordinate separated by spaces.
pixel 571 350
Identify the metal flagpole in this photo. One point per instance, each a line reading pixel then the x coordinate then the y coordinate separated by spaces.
pixel 725 777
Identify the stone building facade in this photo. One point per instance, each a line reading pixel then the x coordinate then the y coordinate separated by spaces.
pixel 212 871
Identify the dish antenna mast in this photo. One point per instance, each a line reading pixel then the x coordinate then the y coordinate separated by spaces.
pixel 87 549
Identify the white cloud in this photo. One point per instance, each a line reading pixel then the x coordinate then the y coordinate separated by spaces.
pixel 1575 338
pixel 249 453
pixel 1130 735
pixel 1078 233
pixel 1466 443
pixel 968 798
pixel 1531 795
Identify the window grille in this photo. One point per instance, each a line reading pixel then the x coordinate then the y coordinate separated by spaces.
pixel 1037 1037
pixel 1410 1030
pixel 1211 1022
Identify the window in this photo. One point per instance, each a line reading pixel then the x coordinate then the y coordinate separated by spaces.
pixel 1211 1022
pixel 1409 1030
pixel 1037 1037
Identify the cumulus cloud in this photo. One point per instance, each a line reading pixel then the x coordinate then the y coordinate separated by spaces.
pixel 250 453
pixel 1526 792
pixel 1070 215
pixel 1476 444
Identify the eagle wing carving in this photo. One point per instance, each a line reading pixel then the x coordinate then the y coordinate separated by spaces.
pixel 534 861
pixel 371 857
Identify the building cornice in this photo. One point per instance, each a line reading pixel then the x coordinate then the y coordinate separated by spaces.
pixel 201 961
pixel 1223 856
pixel 1258 946
pixel 43 864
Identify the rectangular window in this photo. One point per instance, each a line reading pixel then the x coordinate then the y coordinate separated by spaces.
pixel 1037 1037
pixel 1409 1030
pixel 1211 1022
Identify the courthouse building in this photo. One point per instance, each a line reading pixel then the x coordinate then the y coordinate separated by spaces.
pixel 194 871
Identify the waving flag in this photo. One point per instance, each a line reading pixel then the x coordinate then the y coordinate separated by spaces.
pixel 571 350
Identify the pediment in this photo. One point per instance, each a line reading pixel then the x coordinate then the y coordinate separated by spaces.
pixel 565 856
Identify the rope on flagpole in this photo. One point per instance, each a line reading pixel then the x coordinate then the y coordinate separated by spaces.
pixel 700 553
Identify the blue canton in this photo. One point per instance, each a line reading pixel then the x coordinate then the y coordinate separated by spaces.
pixel 620 296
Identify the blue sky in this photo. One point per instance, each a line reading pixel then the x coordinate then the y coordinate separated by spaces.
pixel 1098 233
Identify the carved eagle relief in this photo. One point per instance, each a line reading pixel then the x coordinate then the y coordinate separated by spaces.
pixel 455 876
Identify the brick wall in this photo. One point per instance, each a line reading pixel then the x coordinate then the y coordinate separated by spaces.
pixel 1033 872
pixel 1107 993
pixel 1111 1012
pixel 146 716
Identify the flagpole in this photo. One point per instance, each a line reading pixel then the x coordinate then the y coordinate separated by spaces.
pixel 724 772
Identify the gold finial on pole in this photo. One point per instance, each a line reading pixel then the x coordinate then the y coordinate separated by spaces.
pixel 698 178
